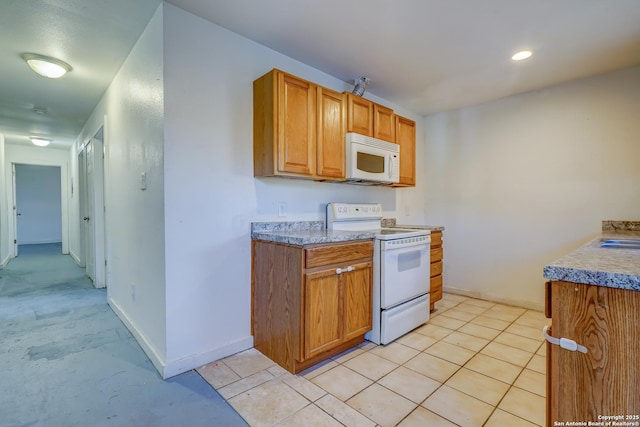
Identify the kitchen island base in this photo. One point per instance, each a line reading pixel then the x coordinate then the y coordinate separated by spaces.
pixel 604 381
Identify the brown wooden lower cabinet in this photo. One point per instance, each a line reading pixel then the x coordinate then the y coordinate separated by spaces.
pixel 310 303
pixel 604 381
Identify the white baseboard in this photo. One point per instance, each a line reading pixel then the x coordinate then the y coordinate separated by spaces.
pixel 5 261
pixel 195 361
pixel 149 350
pixel 41 242
pixel 176 367
pixel 532 305
pixel 75 258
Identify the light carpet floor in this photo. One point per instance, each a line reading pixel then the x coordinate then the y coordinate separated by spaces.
pixel 67 360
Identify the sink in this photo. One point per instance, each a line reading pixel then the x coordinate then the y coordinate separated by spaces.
pixel 620 244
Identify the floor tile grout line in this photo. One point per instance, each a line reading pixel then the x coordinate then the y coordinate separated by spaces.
pixel 478 352
pixel 512 385
pixel 419 351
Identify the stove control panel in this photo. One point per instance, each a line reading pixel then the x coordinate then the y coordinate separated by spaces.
pixel 353 211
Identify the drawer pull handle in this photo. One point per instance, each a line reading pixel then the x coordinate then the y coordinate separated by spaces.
pixel 344 270
pixel 565 343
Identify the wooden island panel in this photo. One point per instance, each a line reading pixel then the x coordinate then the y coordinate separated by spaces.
pixel 605 380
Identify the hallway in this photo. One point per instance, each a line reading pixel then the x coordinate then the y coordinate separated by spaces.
pixel 66 359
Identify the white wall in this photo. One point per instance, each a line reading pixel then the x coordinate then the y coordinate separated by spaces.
pixel 38 200
pixel 211 196
pixel 523 180
pixel 132 114
pixel 19 154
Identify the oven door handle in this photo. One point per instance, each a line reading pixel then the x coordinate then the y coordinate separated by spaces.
pixel 404 247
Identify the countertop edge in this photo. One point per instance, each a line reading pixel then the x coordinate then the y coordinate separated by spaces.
pixel 420 227
pixel 592 265
pixel 311 238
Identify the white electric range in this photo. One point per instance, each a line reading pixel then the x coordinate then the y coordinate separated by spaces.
pixel 401 269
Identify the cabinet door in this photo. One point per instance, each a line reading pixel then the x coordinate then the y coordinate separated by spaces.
pixel 605 379
pixel 322 312
pixel 296 125
pixel 360 115
pixel 406 138
pixel 331 128
pixel 384 125
pixel 357 288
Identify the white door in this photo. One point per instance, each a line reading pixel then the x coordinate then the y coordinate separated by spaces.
pixel 82 201
pixel 97 211
pixel 91 177
pixel 88 216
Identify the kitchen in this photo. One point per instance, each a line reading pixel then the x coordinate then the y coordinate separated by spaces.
pixel 516 183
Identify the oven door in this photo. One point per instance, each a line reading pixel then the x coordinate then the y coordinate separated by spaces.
pixel 404 271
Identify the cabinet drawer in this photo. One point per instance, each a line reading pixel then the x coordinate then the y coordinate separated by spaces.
pixel 436 268
pixel 436 288
pixel 436 238
pixel 436 254
pixel 341 253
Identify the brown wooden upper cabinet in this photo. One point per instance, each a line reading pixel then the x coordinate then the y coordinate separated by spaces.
pixel 406 138
pixel 331 123
pixel 368 118
pixel 359 114
pixel 384 124
pixel 298 128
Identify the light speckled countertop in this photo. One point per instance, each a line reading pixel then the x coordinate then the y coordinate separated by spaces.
pixel 593 265
pixel 302 233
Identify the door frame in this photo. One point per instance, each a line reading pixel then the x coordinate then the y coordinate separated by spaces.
pixel 36 160
pixel 37 210
pixel 94 208
pixel 15 210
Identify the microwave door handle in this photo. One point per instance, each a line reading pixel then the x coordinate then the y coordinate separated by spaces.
pixel 391 168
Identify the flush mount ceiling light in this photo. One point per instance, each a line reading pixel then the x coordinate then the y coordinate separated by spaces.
pixel 522 55
pixel 40 142
pixel 46 66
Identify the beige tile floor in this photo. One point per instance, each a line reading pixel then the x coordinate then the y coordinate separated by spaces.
pixel 475 363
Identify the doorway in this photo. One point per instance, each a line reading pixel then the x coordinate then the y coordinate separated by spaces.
pixel 92 209
pixel 38 204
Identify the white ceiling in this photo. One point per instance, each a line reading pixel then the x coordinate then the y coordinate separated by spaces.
pixel 425 55
pixel 94 37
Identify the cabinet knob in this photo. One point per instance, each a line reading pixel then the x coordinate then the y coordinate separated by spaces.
pixel 350 268
pixel 338 270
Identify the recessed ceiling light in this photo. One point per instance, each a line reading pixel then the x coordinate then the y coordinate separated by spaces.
pixel 523 54
pixel 40 142
pixel 46 66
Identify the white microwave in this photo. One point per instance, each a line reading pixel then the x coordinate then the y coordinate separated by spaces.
pixel 371 160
